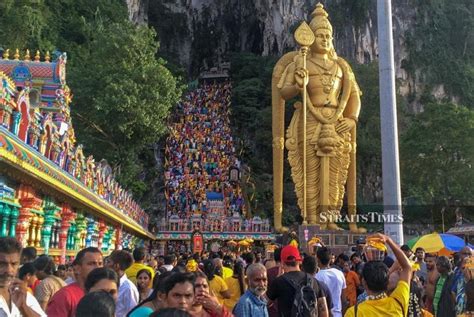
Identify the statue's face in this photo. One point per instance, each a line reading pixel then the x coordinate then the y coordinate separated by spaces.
pixel 323 42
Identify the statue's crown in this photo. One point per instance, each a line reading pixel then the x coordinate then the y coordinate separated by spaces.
pixel 320 19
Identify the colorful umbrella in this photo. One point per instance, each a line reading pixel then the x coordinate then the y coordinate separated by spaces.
pixel 441 243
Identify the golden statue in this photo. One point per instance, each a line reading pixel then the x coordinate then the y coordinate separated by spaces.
pixel 321 141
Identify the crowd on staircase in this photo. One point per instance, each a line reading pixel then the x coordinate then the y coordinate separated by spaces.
pixel 199 154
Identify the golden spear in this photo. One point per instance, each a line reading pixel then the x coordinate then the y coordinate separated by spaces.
pixel 304 36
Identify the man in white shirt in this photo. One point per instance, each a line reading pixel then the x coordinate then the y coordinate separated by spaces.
pixel 128 295
pixel 15 301
pixel 334 279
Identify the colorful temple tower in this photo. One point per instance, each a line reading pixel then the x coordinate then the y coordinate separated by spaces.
pixel 52 196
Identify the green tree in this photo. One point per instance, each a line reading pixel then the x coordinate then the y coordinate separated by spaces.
pixel 437 155
pixel 123 96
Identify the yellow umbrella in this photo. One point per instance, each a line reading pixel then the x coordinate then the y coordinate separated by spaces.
pixel 244 243
pixel 314 240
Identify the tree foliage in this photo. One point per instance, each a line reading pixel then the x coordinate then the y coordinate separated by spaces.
pixel 122 102
pixel 437 152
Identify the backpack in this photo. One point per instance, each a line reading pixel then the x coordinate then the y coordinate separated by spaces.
pixel 305 303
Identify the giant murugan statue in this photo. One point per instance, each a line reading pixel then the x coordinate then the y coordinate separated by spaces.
pixel 321 137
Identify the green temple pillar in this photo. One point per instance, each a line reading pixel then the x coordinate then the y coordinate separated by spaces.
pixel 5 214
pixel 81 225
pixel 14 213
pixel 50 210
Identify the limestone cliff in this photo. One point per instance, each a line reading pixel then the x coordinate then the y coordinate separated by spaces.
pixel 138 11
pixel 263 26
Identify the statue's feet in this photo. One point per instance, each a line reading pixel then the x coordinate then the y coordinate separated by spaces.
pixel 333 226
pixel 354 229
pixel 281 229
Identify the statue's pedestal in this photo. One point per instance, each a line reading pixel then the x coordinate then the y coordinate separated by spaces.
pixel 339 241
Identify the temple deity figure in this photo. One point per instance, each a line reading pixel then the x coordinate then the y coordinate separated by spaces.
pixel 322 156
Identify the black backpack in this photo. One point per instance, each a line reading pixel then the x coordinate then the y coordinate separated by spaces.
pixel 305 303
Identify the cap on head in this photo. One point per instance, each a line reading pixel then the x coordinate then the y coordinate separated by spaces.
pixel 290 253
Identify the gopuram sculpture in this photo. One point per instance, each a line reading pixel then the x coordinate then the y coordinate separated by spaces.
pixel 321 137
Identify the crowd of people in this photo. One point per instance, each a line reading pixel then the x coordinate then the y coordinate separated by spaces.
pixel 225 284
pixel 200 152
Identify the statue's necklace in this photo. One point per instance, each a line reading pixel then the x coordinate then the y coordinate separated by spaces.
pixel 328 75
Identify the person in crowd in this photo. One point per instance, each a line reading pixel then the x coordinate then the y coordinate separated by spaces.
pixel 282 287
pixel 310 266
pixel 216 283
pixel 442 302
pixel 205 304
pixel 28 254
pixel 27 273
pixel 269 263
pixel 352 283
pixel 469 292
pixel 236 284
pixel 332 260
pixel 375 281
pixel 340 260
pixel 408 252
pixel 161 260
pixel 249 258
pixel 179 291
pixel 50 284
pixel 333 278
pixel 272 274
pixel 170 262
pixel 357 263
pixel 154 301
pixel 95 304
pixel 253 302
pixel 459 280
pixel 70 278
pixel 16 300
pixel 64 302
pixel 61 272
pixel 103 279
pixel 422 273
pixel 139 255
pixel 128 296
pixel 226 271
pixel 153 264
pixel 430 283
pixel 143 284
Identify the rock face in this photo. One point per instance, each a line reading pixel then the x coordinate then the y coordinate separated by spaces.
pixel 138 11
pixel 200 33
